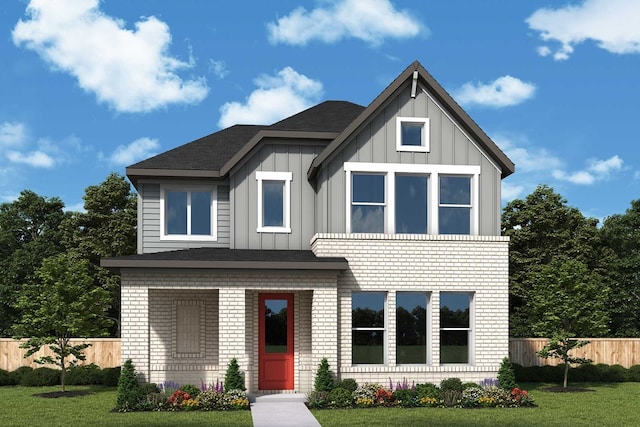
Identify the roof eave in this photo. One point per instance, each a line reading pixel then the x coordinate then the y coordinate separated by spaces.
pixel 135 174
pixel 117 264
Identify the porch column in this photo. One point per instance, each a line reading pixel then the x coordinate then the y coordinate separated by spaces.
pixel 232 329
pixel 324 327
pixel 135 327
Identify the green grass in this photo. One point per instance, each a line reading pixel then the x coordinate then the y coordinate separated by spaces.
pixel 608 405
pixel 19 407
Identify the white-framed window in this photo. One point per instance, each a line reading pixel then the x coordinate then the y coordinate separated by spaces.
pixel 456 332
pixel 412 134
pixel 412 314
pixel 368 328
pixel 411 198
pixel 188 212
pixel 274 202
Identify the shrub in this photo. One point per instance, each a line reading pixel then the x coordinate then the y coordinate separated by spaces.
pixel 340 398
pixel 451 397
pixel 6 378
pixel 615 374
pixel 210 400
pixel 324 380
pixel 233 377
pixel 84 375
pixel 348 384
pixel 19 373
pixel 405 397
pixel 451 384
pixel 235 399
pixel 551 374
pixel 148 388
pixel 634 373
pixel 191 389
pixel 129 393
pixel 110 376
pixel 41 377
pixel 318 399
pixel 506 376
pixel 428 391
pixel 470 384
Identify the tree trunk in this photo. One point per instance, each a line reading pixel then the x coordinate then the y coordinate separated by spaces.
pixel 566 374
pixel 63 374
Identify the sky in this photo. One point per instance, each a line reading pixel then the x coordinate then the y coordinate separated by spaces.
pixel 88 87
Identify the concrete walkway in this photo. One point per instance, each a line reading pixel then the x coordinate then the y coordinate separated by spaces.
pixel 281 410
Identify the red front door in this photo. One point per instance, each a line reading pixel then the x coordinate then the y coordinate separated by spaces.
pixel 275 359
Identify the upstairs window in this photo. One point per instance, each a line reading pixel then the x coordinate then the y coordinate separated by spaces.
pixel 455 205
pixel 412 134
pixel 274 204
pixel 411 204
pixel 367 203
pixel 188 213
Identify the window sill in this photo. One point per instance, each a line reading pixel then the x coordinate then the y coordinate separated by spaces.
pixel 186 238
pixel 281 230
pixel 412 148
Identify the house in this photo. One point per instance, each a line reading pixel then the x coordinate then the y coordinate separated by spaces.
pixel 366 235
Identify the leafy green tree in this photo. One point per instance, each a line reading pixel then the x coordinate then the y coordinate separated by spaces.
pixel 621 234
pixel 29 233
pixel 541 228
pixel 62 303
pixel 506 376
pixel 568 301
pixel 107 228
pixel 324 379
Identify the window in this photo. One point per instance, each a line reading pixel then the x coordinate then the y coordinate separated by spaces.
pixel 367 203
pixel 411 204
pixel 411 327
pixel 412 134
pixel 274 192
pixel 188 213
pixel 455 205
pixel 368 327
pixel 455 327
pixel 188 329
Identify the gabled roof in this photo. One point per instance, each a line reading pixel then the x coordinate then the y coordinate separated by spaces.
pixel 443 98
pixel 214 155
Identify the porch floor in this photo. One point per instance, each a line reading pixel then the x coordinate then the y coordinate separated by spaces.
pixel 275 410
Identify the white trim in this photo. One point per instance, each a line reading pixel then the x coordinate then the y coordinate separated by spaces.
pixel 470 330
pixel 285 178
pixel 433 172
pixel 424 126
pixel 384 328
pixel 213 189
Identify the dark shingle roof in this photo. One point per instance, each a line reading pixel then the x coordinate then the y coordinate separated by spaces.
pixel 329 116
pixel 224 258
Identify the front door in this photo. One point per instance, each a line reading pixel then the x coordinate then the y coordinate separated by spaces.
pixel 275 361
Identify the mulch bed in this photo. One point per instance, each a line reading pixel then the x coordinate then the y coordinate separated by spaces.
pixel 569 389
pixel 57 394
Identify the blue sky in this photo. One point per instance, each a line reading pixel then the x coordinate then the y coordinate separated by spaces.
pixel 88 87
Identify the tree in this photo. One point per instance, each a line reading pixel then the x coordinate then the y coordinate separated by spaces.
pixel 621 234
pixel 541 228
pixel 62 303
pixel 324 379
pixel 568 301
pixel 106 229
pixel 233 377
pixel 29 233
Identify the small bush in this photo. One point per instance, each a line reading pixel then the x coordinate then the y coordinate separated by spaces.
pixel 451 384
pixel 191 389
pixel 233 377
pixel 616 374
pixel 129 393
pixel 110 376
pixel 211 400
pixel 428 390
pixel 6 378
pixel 348 384
pixel 41 377
pixel 506 376
pixel 470 385
pixel 405 397
pixel 634 373
pixel 84 375
pixel 324 379
pixel 340 398
pixel 318 399
pixel 552 374
pixel 19 373
pixel 148 388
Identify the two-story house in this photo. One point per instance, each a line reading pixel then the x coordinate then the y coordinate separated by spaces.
pixel 366 235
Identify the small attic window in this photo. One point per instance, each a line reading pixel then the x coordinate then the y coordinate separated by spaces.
pixel 412 134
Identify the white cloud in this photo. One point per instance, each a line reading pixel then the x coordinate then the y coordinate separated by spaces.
pixel 139 149
pixel 527 159
pixel 218 68
pixel 511 191
pixel 277 97
pixel 130 70
pixel 36 159
pixel 597 170
pixel 12 134
pixel 502 92
pixel 369 21
pixel 612 24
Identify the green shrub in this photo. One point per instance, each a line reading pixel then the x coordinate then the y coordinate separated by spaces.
pixel 148 388
pixel 211 400
pixel 340 398
pixel 19 373
pixel 110 376
pixel 129 393
pixel 552 374
pixel 451 384
pixel 41 377
pixel 506 376
pixel 233 377
pixel 405 397
pixel 318 399
pixel 191 389
pixel 348 383
pixel 451 397
pixel 634 373
pixel 615 374
pixel 586 373
pixel 428 390
pixel 6 378
pixel 471 384
pixel 84 375
pixel 324 379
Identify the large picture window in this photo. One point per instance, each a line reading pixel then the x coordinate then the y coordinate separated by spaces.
pixel 411 327
pixel 455 327
pixel 411 204
pixel 188 213
pixel 274 201
pixel 368 327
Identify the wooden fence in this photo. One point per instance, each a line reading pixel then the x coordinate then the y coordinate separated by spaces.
pixel 612 351
pixel 104 352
